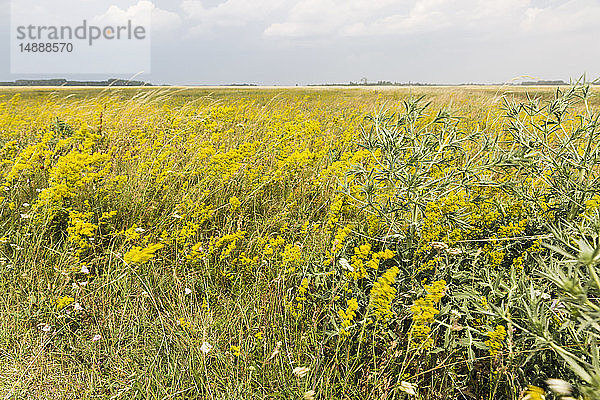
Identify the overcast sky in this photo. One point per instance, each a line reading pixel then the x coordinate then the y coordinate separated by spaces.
pixel 317 41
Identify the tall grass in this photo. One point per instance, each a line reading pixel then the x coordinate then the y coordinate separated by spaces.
pixel 180 243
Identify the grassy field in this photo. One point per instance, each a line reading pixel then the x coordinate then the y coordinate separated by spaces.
pixel 299 243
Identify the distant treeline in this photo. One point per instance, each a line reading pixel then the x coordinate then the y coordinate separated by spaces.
pixel 64 82
pixel 389 83
pixel 542 83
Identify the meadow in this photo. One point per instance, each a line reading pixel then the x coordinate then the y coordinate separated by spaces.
pixel 300 243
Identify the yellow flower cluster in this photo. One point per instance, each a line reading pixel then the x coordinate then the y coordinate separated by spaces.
pixel 63 302
pixel 338 206
pixel 512 229
pixel 271 245
pixel 479 220
pixel 291 257
pixel 382 295
pixel 234 203
pixel 424 313
pixel 235 350
pixel 227 243
pixel 494 257
pixel 190 218
pixel 80 230
pixel 70 176
pixel 348 316
pixel 364 259
pixel 534 393
pixel 184 323
pixel 300 298
pixel 245 263
pixel 338 241
pixel 592 204
pixel 132 234
pixel 139 255
pixel 496 337
pixel 36 155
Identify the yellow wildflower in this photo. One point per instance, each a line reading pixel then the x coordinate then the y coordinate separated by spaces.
pixel 534 393
pixel 63 302
pixel 138 255
pixel 496 337
pixel 235 203
pixel 382 295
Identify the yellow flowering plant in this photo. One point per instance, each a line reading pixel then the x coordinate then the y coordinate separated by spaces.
pixel 469 213
pixel 407 253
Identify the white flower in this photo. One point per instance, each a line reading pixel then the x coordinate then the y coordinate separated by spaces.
pixel 275 350
pixel 25 204
pixel 310 395
pixel 557 306
pixel 301 372
pixel 206 347
pixel 408 388
pixel 84 270
pixel 140 230
pixel 96 337
pixel 77 307
pixel 45 327
pixel 559 386
pixel 539 293
pixel 177 216
pixel 25 216
pixel 187 291
pixel 346 265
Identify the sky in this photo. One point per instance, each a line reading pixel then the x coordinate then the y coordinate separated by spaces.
pixel 288 42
